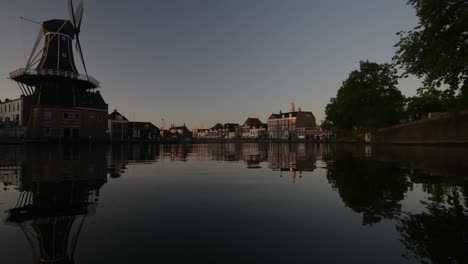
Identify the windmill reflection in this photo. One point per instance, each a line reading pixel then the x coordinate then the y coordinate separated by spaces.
pixel 58 188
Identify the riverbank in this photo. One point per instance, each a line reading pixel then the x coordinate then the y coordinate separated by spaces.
pixel 443 129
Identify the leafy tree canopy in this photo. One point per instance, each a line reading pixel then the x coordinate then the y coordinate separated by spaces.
pixel 429 101
pixel 367 99
pixel 437 48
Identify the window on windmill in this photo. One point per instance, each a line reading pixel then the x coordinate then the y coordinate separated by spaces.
pixel 48 116
pixel 64 54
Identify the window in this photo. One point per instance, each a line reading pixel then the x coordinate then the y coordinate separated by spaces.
pixel 76 133
pixel 71 115
pixel 64 55
pixel 66 132
pixel 48 115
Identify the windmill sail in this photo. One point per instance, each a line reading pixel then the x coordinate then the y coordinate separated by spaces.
pixel 78 15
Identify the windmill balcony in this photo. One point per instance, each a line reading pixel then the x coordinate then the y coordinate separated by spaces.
pixel 28 76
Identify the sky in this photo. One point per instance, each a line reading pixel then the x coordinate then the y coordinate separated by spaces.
pixel 201 62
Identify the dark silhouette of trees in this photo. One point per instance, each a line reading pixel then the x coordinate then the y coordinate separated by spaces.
pixel 437 48
pixel 429 101
pixel 367 99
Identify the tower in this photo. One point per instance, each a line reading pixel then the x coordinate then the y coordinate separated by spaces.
pixel 65 103
pixel 292 108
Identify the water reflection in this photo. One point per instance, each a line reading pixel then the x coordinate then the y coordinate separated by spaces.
pixel 421 191
pixel 58 188
pixel 375 182
pixel 439 234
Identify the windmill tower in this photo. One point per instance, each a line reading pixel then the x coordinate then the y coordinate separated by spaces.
pixel 65 103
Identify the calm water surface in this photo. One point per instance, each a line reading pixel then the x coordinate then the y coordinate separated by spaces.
pixel 233 203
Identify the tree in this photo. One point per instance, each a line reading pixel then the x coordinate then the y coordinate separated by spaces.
pixel 367 99
pixel 428 101
pixel 437 48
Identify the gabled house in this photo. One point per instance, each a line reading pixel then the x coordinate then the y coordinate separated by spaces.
pixel 143 130
pixel 253 128
pixel 228 131
pixel 117 126
pixel 180 131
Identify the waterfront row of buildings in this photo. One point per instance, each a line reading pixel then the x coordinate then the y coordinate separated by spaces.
pixel 290 125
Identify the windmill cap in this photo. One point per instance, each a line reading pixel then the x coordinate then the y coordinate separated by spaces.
pixel 65 27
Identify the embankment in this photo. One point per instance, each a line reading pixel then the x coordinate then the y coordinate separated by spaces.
pixel 449 128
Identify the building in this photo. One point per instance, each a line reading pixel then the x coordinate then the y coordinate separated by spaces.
pixel 228 131
pixel 231 131
pixel 117 126
pixel 181 131
pixel 200 132
pixel 15 112
pixel 217 131
pixel 254 128
pixel 143 130
pixel 294 124
pixel 65 104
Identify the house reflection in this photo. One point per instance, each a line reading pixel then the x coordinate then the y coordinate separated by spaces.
pixel 119 156
pixel 292 158
pixel 58 188
pixel 11 158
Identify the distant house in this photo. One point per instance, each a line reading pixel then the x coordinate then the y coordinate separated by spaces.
pixel 15 112
pixel 294 124
pixel 143 130
pixel 231 131
pixel 254 128
pixel 217 131
pixel 200 133
pixel 181 131
pixel 228 131
pixel 118 126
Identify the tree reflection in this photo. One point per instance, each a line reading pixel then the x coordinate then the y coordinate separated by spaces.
pixel 374 186
pixel 374 189
pixel 439 234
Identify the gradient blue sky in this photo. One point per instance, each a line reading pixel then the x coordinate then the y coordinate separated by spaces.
pixel 207 61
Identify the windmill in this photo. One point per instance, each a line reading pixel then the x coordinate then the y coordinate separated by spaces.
pixel 58 91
